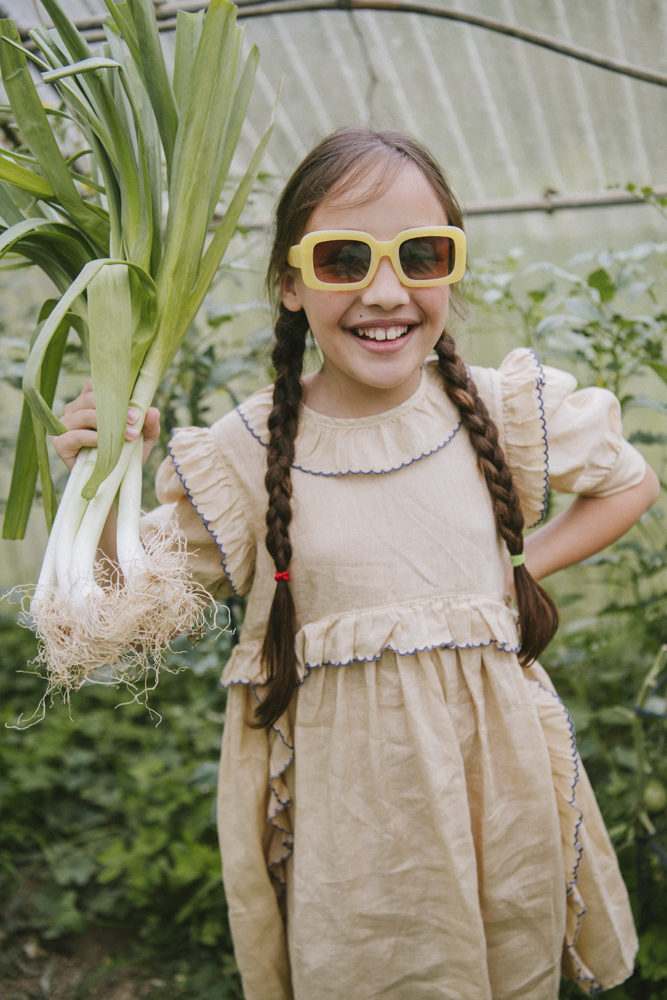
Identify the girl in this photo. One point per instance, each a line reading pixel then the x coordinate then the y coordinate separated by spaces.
pixel 402 811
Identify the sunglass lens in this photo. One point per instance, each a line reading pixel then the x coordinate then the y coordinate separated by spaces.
pixel 427 257
pixel 341 261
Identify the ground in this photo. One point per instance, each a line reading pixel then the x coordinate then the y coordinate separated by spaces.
pixel 83 968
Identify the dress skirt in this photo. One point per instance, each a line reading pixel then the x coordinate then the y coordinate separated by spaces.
pixel 418 827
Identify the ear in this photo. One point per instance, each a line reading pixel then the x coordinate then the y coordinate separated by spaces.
pixel 289 293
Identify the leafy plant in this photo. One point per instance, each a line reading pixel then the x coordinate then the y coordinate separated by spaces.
pixel 108 819
pixel 603 316
pixel 130 288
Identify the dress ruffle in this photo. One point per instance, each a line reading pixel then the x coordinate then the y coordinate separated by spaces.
pixel 461 622
pixel 386 442
pixel 205 480
pixel 524 430
pixel 585 882
pixel 565 766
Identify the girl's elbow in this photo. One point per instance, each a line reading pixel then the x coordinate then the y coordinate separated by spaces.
pixel 651 487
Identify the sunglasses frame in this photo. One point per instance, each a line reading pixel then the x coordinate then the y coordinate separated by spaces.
pixel 301 256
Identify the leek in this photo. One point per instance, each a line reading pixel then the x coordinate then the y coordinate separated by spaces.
pixel 131 280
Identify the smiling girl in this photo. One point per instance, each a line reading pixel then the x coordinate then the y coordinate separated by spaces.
pixel 402 810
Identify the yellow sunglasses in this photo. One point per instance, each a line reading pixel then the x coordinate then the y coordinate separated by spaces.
pixel 344 260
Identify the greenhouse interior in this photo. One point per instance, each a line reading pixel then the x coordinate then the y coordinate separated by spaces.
pixel 548 119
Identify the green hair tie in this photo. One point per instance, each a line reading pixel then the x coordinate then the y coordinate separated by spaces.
pixel 518 560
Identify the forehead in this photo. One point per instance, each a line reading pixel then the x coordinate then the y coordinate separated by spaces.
pixel 381 204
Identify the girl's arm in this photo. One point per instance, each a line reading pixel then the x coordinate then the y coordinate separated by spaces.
pixel 588 525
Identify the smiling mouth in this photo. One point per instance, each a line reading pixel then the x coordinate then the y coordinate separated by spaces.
pixel 381 332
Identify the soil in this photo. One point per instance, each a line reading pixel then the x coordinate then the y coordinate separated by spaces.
pixel 89 967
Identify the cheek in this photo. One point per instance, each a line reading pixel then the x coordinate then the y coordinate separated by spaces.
pixel 434 303
pixel 325 311
pixel 442 302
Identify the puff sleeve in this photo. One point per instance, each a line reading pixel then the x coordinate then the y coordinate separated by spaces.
pixel 555 435
pixel 587 451
pixel 198 495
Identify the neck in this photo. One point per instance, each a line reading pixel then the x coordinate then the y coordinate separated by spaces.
pixel 333 394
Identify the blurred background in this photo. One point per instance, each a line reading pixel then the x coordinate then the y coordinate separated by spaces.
pixel 109 871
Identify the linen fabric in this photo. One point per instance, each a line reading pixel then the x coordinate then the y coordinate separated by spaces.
pixel 418 824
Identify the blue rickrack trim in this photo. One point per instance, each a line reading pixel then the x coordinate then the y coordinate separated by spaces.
pixel 539 382
pixel 354 472
pixel 595 987
pixel 207 524
pixel 287 841
pixel 502 648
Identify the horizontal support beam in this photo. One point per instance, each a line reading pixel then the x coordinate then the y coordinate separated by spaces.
pixel 553 202
pixel 549 203
pixel 166 17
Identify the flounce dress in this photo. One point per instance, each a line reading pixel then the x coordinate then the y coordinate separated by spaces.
pixel 418 824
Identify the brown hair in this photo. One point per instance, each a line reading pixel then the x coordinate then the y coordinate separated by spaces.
pixel 346 157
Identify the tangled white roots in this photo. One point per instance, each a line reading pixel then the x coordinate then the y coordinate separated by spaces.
pixel 119 634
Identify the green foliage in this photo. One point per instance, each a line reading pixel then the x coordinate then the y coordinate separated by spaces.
pixel 603 316
pixel 610 322
pixel 108 817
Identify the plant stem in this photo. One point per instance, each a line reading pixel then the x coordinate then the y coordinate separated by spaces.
pixel 131 554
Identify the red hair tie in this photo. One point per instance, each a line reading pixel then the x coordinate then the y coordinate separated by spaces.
pixel 282 576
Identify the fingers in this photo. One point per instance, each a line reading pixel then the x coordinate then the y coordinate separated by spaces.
pixel 80 419
pixel 86 401
pixel 70 444
pixel 151 430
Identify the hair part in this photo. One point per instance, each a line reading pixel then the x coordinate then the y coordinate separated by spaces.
pixel 347 157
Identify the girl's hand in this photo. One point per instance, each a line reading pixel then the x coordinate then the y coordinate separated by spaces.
pixel 80 418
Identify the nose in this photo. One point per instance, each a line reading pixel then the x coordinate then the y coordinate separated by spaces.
pixel 385 290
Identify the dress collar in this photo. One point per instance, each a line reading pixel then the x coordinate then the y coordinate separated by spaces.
pixel 386 442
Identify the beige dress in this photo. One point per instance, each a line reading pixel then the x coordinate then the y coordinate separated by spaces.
pixel 419 824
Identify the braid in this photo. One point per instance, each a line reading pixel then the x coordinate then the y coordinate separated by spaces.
pixel 538 615
pixel 278 653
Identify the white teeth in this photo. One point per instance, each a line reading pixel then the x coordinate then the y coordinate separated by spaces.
pixel 379 333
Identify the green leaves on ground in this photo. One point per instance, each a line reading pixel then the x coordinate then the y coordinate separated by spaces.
pixel 108 817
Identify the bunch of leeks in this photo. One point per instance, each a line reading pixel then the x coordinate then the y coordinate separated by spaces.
pixel 131 282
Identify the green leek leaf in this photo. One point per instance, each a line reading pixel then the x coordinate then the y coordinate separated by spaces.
pixel 227 227
pixel 110 326
pixel 31 441
pixel 74 42
pixel 155 75
pixel 34 126
pixel 236 119
pixel 659 368
pixel 28 54
pixel 27 180
pixel 49 497
pixel 85 66
pixel 188 32
pixel 24 479
pixel 123 19
pixel 9 210
pixel 196 160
